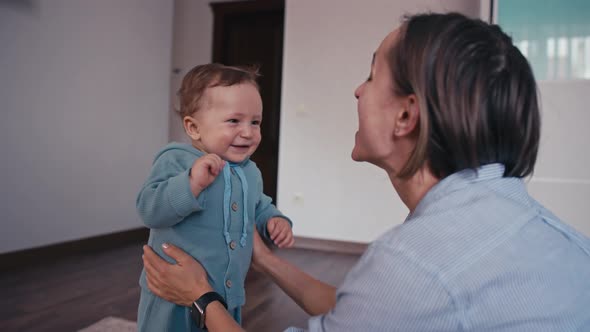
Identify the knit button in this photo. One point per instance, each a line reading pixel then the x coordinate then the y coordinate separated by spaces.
pixel 228 283
pixel 234 206
pixel 232 245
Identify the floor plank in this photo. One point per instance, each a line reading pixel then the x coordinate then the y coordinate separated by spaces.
pixel 74 292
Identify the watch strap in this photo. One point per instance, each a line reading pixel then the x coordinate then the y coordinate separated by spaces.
pixel 200 305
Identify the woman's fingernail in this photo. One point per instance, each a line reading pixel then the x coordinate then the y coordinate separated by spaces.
pixel 165 245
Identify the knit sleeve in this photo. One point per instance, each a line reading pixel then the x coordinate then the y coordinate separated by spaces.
pixel 166 198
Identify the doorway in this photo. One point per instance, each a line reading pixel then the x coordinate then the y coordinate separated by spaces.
pixel 251 33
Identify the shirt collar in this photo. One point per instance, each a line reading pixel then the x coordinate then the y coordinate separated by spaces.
pixel 460 180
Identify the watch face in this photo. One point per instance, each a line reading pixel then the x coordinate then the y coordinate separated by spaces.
pixel 197 316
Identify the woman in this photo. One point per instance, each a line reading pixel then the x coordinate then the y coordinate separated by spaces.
pixel 450 112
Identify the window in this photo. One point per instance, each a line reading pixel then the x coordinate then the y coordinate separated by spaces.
pixel 554 35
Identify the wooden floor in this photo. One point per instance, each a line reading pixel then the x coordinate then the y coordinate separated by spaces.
pixel 76 291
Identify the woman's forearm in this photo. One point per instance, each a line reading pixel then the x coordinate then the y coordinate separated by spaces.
pixel 217 319
pixel 312 295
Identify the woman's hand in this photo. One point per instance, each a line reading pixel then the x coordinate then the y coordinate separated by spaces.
pixel 180 283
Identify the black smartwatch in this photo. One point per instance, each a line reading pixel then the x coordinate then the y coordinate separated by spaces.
pixel 199 305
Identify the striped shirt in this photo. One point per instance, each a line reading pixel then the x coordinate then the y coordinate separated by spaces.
pixel 477 254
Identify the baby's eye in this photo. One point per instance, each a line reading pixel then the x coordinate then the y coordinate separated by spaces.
pixel 233 121
pixel 256 122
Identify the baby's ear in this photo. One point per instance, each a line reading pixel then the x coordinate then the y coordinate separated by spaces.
pixel 191 127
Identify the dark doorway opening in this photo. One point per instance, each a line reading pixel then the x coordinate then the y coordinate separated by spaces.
pixel 251 33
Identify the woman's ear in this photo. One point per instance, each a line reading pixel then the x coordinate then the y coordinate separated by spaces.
pixel 191 127
pixel 408 117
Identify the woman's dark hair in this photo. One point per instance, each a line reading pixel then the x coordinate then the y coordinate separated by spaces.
pixel 476 92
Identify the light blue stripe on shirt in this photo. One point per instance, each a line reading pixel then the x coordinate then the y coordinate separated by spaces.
pixel 477 254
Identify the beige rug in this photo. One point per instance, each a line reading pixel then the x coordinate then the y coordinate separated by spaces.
pixel 111 324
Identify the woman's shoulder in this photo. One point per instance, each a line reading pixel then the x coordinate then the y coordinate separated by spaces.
pixel 446 235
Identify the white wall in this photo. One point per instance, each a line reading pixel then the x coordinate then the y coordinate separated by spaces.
pixel 84 95
pixel 327 53
pixel 561 180
pixel 331 197
pixel 85 103
pixel 193 43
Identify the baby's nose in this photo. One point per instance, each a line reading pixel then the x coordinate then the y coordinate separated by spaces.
pixel 246 131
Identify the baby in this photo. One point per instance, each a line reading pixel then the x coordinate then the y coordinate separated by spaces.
pixel 205 197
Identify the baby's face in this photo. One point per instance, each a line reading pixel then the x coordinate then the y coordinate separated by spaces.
pixel 229 121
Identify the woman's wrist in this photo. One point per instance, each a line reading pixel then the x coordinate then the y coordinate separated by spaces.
pixel 198 291
pixel 217 318
pixel 267 261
